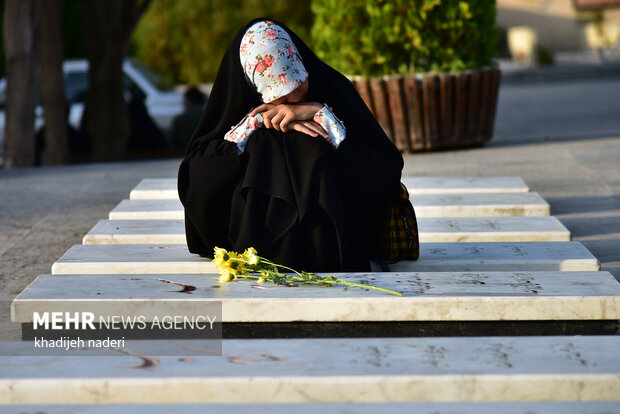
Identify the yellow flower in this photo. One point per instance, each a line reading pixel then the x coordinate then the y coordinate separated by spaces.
pixel 218 251
pixel 220 258
pixel 250 255
pixel 226 277
pixel 228 264
pixel 263 277
pixel 236 264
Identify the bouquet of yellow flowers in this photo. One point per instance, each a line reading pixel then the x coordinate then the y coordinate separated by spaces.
pixel 249 265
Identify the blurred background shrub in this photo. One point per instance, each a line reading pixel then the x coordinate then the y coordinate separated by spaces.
pixel 185 40
pixel 381 37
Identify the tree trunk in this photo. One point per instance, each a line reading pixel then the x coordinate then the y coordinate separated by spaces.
pixel 48 21
pixel 107 118
pixel 107 29
pixel 20 81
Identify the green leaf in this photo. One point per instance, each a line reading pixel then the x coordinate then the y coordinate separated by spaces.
pixel 185 40
pixel 374 37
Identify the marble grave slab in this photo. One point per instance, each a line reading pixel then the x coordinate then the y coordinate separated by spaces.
pixel 328 408
pixel 166 188
pixel 434 257
pixel 426 205
pixel 364 370
pixel 433 296
pixel 431 230
pixel 460 185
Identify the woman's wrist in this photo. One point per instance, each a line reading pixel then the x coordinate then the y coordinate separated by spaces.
pixel 316 105
pixel 306 110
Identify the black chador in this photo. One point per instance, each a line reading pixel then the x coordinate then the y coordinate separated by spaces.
pixel 291 196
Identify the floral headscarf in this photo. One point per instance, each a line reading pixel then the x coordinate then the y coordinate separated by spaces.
pixel 270 61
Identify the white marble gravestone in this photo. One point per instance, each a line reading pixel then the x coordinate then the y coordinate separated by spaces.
pixel 431 230
pixel 435 296
pixel 166 188
pixel 434 257
pixel 460 185
pixel 368 370
pixel 425 205
pixel 148 210
pixel 328 408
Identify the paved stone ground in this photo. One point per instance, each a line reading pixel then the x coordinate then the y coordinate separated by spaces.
pixel 43 212
pixel 558 110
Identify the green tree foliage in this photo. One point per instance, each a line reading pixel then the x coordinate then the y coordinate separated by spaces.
pixel 185 40
pixel 382 37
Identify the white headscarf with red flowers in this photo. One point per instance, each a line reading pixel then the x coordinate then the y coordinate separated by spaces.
pixel 270 60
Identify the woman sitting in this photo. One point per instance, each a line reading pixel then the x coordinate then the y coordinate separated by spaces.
pixel 305 173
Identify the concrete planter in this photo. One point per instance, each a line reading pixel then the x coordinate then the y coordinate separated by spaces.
pixel 434 111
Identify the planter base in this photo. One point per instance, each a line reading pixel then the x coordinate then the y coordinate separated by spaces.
pixel 434 111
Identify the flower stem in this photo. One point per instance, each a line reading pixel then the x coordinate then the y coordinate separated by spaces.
pixel 336 281
pixel 342 282
pixel 262 259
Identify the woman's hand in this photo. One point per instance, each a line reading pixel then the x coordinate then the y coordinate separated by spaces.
pixel 308 127
pixel 280 117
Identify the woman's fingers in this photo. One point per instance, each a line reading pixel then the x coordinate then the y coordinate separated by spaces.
pixel 276 121
pixel 286 121
pixel 261 108
pixel 318 129
pixel 273 117
pixel 280 117
pixel 266 120
pixel 299 126
pixel 268 117
pixel 308 127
